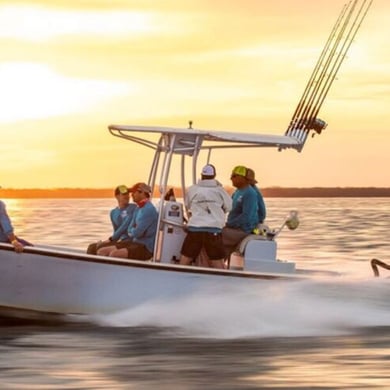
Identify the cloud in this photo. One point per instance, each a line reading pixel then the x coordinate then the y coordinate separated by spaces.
pixel 39 24
pixel 33 90
pixel 34 23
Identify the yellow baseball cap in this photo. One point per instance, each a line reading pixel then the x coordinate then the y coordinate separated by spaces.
pixel 239 170
pixel 122 189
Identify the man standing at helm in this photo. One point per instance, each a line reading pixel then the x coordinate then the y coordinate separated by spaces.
pixel 207 202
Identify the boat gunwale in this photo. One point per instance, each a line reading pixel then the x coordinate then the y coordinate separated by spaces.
pixel 69 255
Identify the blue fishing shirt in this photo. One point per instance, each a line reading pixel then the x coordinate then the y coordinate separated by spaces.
pixel 244 213
pixel 143 227
pixel 5 223
pixel 120 219
pixel 261 210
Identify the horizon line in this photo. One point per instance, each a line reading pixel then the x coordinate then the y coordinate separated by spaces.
pixel 305 192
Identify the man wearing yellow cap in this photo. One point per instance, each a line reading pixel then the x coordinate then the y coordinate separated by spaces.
pixel 141 232
pixel 243 217
pixel 120 217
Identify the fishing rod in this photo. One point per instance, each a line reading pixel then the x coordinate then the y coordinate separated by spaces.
pixel 313 123
pixel 325 71
pixel 311 82
pixel 344 19
pixel 305 116
pixel 342 55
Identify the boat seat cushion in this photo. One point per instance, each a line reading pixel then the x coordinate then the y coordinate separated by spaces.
pixel 250 237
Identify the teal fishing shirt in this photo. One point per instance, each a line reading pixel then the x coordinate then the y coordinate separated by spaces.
pixel 261 210
pixel 120 219
pixel 5 223
pixel 244 214
pixel 143 227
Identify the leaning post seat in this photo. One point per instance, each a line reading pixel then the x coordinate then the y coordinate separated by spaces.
pixel 259 254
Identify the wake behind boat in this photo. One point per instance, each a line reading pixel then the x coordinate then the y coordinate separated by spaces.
pixel 68 281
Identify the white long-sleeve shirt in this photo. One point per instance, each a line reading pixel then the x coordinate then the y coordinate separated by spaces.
pixel 208 203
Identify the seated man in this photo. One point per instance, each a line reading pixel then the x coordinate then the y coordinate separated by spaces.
pixel 243 218
pixel 120 216
pixel 207 202
pixel 261 210
pixel 141 233
pixel 7 233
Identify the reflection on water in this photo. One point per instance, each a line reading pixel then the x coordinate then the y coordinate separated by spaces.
pixel 339 233
pixel 84 357
pixel 327 334
pixel 63 222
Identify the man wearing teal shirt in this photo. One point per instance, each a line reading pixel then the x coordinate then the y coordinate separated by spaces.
pixel 120 217
pixel 7 231
pixel 243 218
pixel 141 233
pixel 261 210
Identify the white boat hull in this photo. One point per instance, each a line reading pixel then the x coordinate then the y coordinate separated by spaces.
pixel 70 282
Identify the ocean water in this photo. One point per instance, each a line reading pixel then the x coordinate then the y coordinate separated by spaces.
pixel 331 333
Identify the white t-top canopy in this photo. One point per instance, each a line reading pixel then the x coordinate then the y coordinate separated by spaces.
pixel 209 139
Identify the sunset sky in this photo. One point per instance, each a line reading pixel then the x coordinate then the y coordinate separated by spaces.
pixel 69 68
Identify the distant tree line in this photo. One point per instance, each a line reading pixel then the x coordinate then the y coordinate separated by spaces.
pixel 270 192
pixel 328 192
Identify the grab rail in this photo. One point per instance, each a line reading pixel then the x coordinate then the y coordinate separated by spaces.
pixel 374 265
pixel 181 225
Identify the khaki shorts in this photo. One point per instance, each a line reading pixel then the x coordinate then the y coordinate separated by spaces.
pixel 232 237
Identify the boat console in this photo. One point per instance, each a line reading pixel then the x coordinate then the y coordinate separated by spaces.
pixel 172 233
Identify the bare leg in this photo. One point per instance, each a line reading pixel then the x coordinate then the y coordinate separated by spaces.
pixel 105 251
pixel 123 252
pixel 220 264
pixel 184 260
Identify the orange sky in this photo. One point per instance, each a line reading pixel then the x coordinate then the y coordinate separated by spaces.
pixel 70 68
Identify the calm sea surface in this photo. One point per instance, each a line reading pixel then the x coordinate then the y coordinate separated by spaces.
pixel 332 333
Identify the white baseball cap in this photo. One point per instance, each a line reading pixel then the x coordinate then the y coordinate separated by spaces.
pixel 208 170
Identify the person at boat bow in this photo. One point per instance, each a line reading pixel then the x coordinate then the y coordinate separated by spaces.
pixel 120 217
pixel 243 218
pixel 141 233
pixel 208 203
pixel 7 233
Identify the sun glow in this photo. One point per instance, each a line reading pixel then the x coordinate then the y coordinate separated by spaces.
pixel 41 23
pixel 32 91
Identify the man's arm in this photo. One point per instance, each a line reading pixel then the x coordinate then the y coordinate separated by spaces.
pixel 122 228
